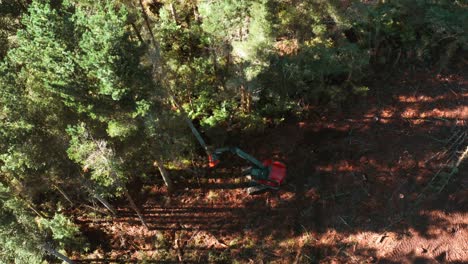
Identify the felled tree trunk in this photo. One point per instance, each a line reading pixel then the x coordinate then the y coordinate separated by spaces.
pixel 34 209
pixel 135 208
pixel 24 197
pixel 164 175
pixel 52 251
pixel 95 195
pixel 64 194
pixel 104 202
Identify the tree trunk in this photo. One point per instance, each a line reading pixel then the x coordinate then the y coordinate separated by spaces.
pixel 61 191
pixel 242 94
pixel 164 175
pixel 20 194
pixel 249 101
pixel 137 32
pixel 246 99
pixel 52 251
pixel 104 202
pixel 36 211
pixel 135 208
pixel 158 68
pixel 215 61
pixel 157 65
pixel 173 12
pixel 23 7
pixel 148 25
pixel 196 14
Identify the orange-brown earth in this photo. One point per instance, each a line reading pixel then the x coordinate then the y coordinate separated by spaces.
pixel 365 185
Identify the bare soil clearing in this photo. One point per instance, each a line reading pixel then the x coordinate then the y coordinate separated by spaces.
pixel 365 186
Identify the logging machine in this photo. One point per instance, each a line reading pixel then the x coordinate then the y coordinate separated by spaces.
pixel 265 175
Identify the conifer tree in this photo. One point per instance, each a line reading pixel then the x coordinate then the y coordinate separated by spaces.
pixel 28 239
pixel 76 66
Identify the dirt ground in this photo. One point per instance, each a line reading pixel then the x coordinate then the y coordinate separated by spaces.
pixel 372 183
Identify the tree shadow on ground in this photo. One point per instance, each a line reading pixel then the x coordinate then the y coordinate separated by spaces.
pixel 361 187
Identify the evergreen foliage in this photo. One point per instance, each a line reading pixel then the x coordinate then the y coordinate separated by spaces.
pixel 23 236
pixel 19 236
pixel 84 106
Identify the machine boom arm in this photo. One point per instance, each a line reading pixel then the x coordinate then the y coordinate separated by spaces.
pixel 238 152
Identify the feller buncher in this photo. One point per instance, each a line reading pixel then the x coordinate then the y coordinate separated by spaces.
pixel 265 175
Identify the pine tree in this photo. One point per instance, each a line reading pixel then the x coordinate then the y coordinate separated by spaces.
pixel 25 239
pixel 75 85
pixel 10 13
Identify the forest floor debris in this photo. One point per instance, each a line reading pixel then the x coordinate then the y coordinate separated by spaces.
pixel 359 191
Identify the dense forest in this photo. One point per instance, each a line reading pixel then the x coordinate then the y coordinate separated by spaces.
pixel 95 97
